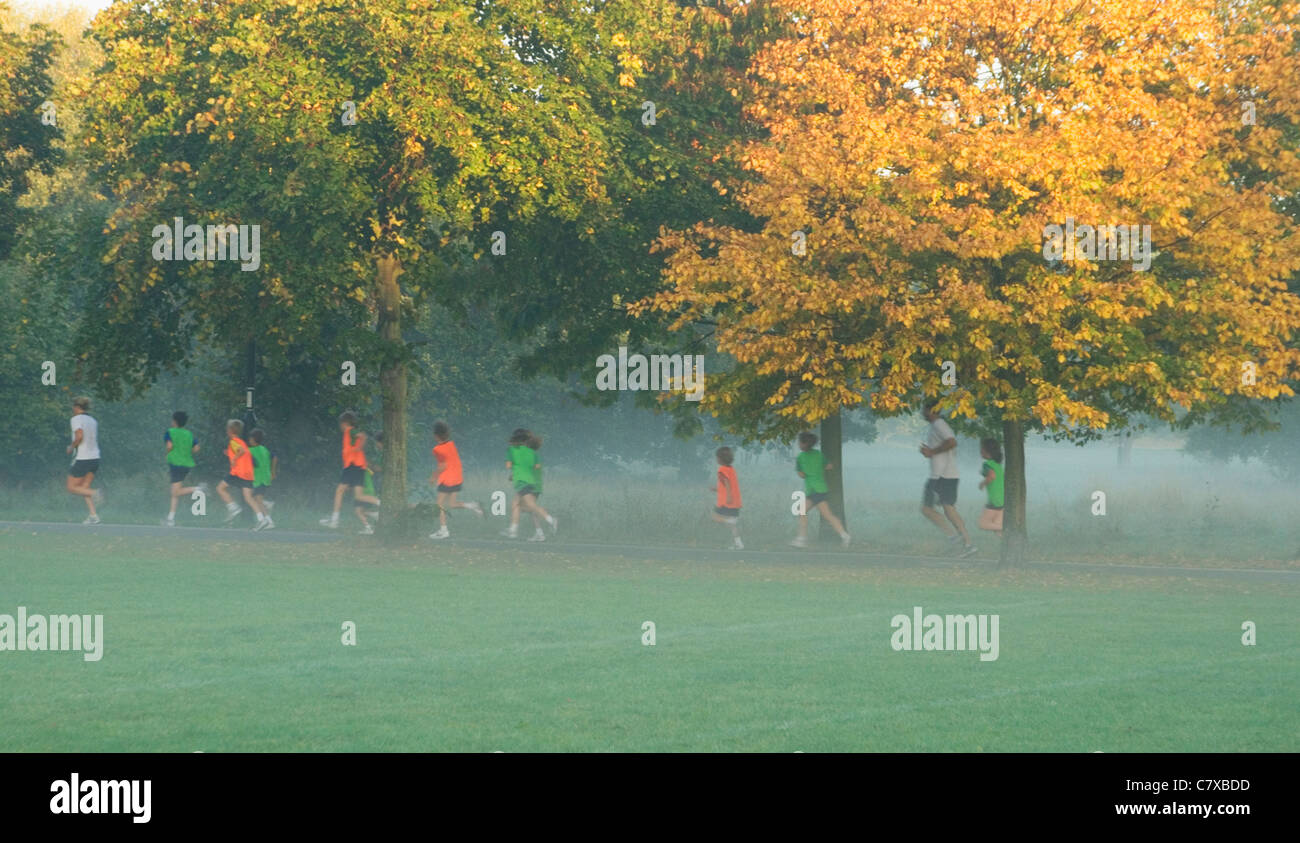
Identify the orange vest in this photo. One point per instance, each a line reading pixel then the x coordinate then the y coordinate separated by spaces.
pixel 728 487
pixel 353 454
pixel 448 463
pixel 241 461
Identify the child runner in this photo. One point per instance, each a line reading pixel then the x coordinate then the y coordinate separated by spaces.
pixel 521 462
pixel 727 510
pixel 353 475
pixel 940 448
pixel 241 477
pixel 181 448
pixel 448 478
pixel 266 467
pixel 811 465
pixel 85 459
pixel 991 471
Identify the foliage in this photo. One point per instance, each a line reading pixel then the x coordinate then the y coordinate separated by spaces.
pixel 924 147
pixel 28 146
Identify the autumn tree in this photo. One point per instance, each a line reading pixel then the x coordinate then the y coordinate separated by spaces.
pixel 919 156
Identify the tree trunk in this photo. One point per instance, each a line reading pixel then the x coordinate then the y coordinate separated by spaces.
pixel 392 380
pixel 832 442
pixel 249 418
pixel 250 375
pixel 1014 531
pixel 1125 455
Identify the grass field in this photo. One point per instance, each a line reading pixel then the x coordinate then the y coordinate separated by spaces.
pixel 236 646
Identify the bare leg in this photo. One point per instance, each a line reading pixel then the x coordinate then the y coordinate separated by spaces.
pixel 253 502
pixel 529 502
pixel 452 501
pixel 825 509
pixel 954 518
pixel 81 486
pixel 359 497
pixel 77 486
pixel 338 498
pixel 722 519
pixel 938 520
pixel 177 491
pixel 90 498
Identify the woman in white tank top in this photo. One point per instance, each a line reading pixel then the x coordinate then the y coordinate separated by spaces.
pixel 85 460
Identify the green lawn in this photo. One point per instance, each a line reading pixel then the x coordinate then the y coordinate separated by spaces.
pixel 236 647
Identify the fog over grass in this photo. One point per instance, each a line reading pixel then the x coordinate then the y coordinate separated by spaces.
pixel 1165 506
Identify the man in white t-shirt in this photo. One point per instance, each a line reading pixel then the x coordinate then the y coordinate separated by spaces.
pixel 940 448
pixel 85 462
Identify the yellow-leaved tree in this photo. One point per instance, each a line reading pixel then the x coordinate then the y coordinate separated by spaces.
pixel 1054 215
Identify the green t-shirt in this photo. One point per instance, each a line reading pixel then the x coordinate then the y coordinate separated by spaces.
pixel 182 452
pixel 368 487
pixel 522 459
pixel 994 488
pixel 261 465
pixel 813 465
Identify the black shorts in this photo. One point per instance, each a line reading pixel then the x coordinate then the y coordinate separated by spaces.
pixel 443 487
pixel 178 472
pixel 530 489
pixel 728 511
pixel 261 490
pixel 813 498
pixel 81 468
pixel 942 490
pixel 353 475
pixel 237 482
